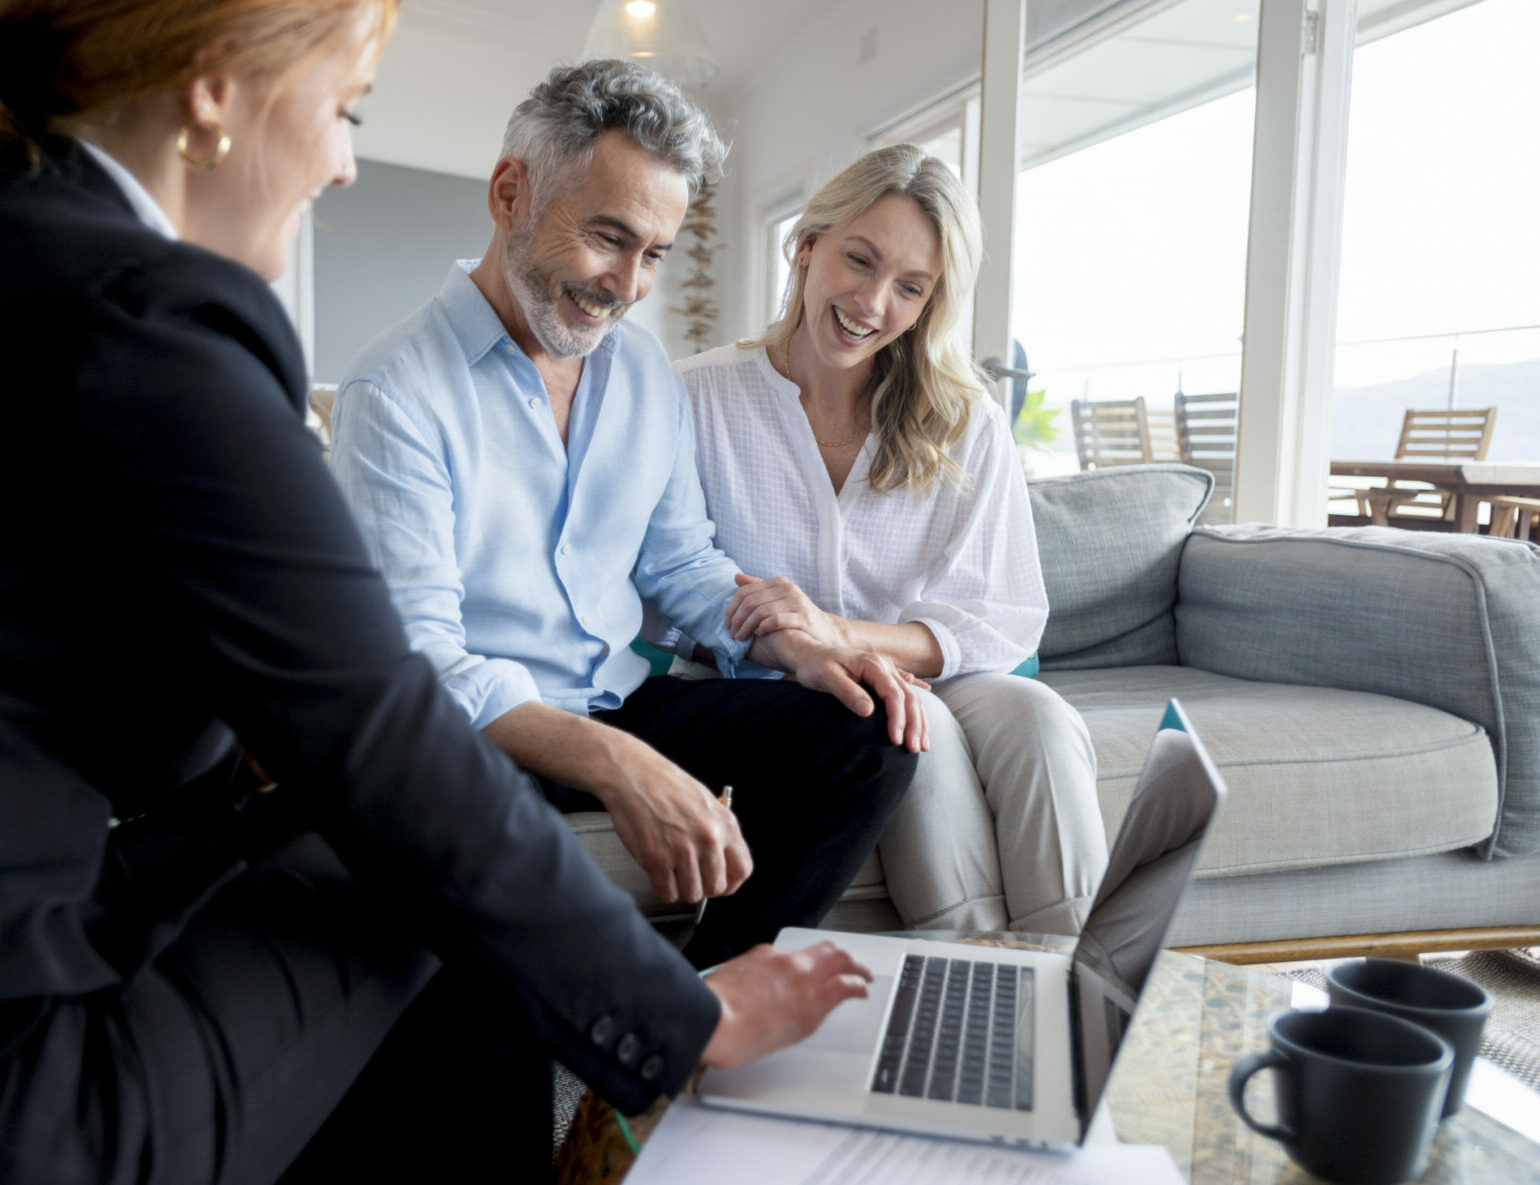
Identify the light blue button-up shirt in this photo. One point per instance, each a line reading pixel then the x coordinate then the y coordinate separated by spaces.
pixel 518 564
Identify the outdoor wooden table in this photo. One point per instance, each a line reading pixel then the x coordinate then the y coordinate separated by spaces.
pixel 1470 482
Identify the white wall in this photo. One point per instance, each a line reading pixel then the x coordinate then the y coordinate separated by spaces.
pixel 451 77
pixel 809 112
pixel 382 248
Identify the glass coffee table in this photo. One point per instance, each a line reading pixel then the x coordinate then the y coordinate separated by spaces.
pixel 1170 1087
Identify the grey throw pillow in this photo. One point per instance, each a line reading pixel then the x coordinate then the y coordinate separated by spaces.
pixel 1110 540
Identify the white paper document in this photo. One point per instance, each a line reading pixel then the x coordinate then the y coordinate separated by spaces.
pixel 698 1145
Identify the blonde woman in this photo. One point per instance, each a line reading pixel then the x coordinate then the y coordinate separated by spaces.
pixel 853 451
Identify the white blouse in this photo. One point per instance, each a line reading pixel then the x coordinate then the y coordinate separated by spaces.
pixel 961 561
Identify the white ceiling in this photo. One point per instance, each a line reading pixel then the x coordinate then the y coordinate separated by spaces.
pixel 456 68
pixel 1188 53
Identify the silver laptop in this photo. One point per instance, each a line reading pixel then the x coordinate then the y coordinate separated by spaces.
pixel 992 1044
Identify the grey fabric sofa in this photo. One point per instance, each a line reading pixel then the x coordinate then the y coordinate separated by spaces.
pixel 1371 695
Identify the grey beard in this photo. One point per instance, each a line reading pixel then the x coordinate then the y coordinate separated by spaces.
pixel 529 285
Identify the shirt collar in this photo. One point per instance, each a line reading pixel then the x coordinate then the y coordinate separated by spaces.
pixel 778 381
pixel 475 323
pixel 145 207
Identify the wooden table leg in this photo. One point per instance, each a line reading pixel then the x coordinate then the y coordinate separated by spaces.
pixel 1465 514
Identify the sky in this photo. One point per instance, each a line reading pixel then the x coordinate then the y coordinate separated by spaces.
pixel 1134 249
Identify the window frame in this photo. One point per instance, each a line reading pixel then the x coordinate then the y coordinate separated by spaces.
pixel 1304 72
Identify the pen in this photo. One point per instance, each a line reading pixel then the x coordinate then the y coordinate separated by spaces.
pixel 726 799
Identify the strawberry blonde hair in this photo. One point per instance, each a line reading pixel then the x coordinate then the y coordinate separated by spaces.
pixel 67 63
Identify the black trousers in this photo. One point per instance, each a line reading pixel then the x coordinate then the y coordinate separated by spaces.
pixel 216 1064
pixel 813 786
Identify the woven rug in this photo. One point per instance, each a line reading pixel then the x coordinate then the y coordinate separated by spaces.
pixel 1511 1038
pixel 568 1090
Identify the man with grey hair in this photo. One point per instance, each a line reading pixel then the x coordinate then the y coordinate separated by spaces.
pixel 522 464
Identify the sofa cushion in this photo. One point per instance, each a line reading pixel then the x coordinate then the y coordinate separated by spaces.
pixel 1317 776
pixel 1449 620
pixel 1110 540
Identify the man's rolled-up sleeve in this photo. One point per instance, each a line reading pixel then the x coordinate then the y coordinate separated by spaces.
pixel 681 572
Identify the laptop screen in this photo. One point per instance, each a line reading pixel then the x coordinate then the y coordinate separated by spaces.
pixel 1148 870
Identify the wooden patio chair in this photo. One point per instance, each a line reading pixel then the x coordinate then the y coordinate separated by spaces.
pixel 1461 434
pixel 1164 444
pixel 1515 517
pixel 1111 432
pixel 1206 429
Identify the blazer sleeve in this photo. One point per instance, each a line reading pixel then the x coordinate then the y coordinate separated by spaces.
pixel 190 396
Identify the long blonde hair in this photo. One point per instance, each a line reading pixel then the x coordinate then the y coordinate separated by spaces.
pixel 925 380
pixel 63 62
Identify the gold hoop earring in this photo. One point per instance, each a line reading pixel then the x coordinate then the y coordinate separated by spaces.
pixel 210 163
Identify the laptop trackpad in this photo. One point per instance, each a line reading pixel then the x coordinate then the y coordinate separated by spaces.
pixel 855 1025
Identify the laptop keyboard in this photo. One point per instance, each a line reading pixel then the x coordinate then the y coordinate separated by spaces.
pixel 959 1031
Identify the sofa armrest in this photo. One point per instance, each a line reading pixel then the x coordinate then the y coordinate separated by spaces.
pixel 1451 621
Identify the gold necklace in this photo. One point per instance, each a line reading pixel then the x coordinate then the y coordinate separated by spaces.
pixel 786 372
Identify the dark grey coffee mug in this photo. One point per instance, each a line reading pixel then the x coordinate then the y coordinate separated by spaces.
pixel 1358 1092
pixel 1454 1008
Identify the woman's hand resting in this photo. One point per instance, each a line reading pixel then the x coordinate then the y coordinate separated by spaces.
pixel 761 607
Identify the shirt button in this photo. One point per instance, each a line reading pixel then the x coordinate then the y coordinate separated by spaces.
pixel 651 1068
pixel 566 548
pixel 533 402
pixel 603 1030
pixel 626 1049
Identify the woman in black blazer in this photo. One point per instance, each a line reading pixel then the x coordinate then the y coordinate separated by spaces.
pixel 192 972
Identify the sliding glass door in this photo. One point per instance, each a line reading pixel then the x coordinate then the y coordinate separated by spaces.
pixel 1439 305
pixel 1128 275
pixel 1167 180
pixel 1161 155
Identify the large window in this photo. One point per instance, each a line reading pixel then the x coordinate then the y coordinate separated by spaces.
pixel 1131 210
pixel 1181 172
pixel 779 217
pixel 1439 304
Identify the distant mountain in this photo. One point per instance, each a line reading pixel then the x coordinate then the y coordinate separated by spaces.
pixel 1366 421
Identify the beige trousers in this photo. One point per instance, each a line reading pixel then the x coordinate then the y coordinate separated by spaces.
pixel 1000 828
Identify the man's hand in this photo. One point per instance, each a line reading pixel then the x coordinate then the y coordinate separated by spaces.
pixel 765 606
pixel 841 671
pixel 774 998
pixel 687 842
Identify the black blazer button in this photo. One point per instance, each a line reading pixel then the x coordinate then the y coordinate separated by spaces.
pixel 626 1049
pixel 603 1030
pixel 651 1067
